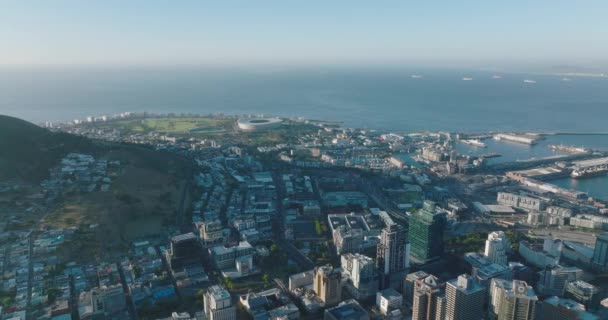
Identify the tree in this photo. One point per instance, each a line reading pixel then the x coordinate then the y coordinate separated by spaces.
pixel 137 271
pixel 274 249
pixel 228 283
pixel 318 227
pixel 200 297
pixel 266 279
pixel 52 294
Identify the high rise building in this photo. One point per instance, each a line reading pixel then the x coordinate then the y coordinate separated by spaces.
pixel 424 305
pixel 218 304
pixel 497 246
pixel 426 233
pixel 409 284
pixel 388 301
pixel 185 251
pixel 361 275
pixel 327 284
pixel 583 293
pixel 464 299
pixel 553 279
pixel 392 254
pixel 211 232
pixel 512 300
pixel 440 306
pixel 600 254
pixel 347 240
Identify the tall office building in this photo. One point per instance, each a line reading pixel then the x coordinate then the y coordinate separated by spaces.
pixel 583 293
pixel 497 246
pixel 440 306
pixel 464 299
pixel 600 254
pixel 327 284
pixel 361 275
pixel 424 305
pixel 211 232
pixel 408 286
pixel 218 304
pixel 553 279
pixel 185 251
pixel 393 253
pixel 512 300
pixel 426 233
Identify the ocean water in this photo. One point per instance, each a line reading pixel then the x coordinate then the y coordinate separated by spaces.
pixel 378 98
pixel 375 98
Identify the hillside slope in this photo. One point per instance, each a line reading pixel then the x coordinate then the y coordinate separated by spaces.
pixel 27 151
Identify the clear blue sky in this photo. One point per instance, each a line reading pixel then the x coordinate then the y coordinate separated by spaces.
pixel 481 33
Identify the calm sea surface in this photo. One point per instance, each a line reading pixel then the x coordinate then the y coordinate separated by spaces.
pixel 372 98
pixel 378 98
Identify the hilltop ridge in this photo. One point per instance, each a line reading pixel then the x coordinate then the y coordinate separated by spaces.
pixel 27 151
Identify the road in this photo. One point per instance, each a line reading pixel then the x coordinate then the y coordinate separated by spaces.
pixel 279 233
pixel 370 188
pixel 30 275
pixel 123 281
pixel 180 217
pixel 166 266
pixel 295 254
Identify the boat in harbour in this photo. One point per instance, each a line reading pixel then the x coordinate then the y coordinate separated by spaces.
pixel 474 142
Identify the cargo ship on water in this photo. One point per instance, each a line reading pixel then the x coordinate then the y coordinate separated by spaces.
pixel 587 173
pixel 589 168
pixel 568 149
pixel 519 138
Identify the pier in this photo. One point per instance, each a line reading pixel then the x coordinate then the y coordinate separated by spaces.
pixel 591 167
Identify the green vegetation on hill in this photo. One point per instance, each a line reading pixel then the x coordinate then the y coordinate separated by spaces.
pixel 27 151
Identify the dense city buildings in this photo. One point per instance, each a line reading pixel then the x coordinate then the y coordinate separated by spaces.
pixel 288 223
pixel 426 227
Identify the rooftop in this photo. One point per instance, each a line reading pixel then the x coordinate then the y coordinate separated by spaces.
pixel 347 310
pixel 184 237
pixel 218 292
